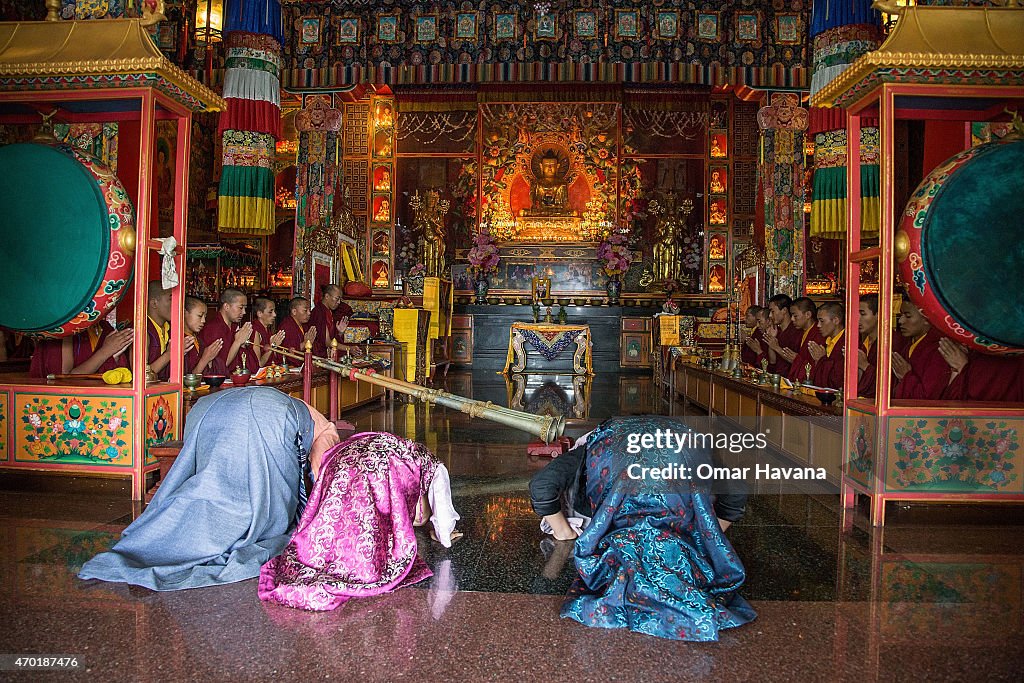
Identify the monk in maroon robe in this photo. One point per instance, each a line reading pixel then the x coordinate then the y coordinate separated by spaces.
pixel 197 356
pixel 783 338
pixel 754 347
pixel 158 330
pixel 226 327
pixel 330 317
pixel 96 350
pixel 922 371
pixel 829 358
pixel 263 338
pixel 296 327
pixel 867 351
pixel 804 315
pixel 981 377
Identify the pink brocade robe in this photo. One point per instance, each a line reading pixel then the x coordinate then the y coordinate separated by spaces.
pixel 356 537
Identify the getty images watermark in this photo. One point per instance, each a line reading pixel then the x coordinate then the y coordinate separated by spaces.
pixel 724 443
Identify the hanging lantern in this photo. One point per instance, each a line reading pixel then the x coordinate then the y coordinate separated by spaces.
pixel 209 21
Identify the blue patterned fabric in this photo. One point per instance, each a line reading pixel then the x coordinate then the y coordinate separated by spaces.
pixel 227 503
pixel 832 13
pixel 254 16
pixel 548 348
pixel 654 559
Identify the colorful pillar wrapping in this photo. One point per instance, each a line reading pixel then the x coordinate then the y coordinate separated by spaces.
pixel 780 175
pixel 842 32
pixel 252 123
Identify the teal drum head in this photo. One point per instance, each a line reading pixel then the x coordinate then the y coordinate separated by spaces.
pixel 61 265
pixel 971 244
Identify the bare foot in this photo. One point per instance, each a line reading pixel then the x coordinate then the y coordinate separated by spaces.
pixel 563 537
pixel 456 535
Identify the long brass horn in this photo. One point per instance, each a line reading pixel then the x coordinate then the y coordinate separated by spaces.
pixel 546 427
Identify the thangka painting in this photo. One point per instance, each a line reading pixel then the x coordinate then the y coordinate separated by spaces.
pixel 667 23
pixel 465 26
pixel 89 430
pixel 346 30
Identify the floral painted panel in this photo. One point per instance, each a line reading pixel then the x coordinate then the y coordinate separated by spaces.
pixel 862 429
pixel 968 454
pixel 957 601
pixel 161 421
pixel 73 430
pixel 4 425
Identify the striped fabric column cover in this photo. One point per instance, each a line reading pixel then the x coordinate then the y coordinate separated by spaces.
pixel 842 30
pixel 252 123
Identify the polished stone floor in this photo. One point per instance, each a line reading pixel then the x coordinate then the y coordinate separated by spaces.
pixel 938 595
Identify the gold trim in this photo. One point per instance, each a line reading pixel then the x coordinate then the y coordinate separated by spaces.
pixel 92 48
pixel 939 38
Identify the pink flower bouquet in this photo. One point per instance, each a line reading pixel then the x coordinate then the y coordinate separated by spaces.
pixel 483 256
pixel 614 254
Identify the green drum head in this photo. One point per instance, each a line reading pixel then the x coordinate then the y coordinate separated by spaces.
pixel 972 247
pixel 54 237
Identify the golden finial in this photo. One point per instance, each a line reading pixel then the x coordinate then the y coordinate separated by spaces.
pixel 53 10
pixel 308 346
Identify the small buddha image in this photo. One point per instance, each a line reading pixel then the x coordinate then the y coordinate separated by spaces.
pixel 384 117
pixel 719 146
pixel 382 144
pixel 717 182
pixel 383 180
pixel 380 274
pixel 383 212
pixel 716 248
pixel 718 212
pixel 717 280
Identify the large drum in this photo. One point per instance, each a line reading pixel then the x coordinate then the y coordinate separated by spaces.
pixel 960 247
pixel 67 239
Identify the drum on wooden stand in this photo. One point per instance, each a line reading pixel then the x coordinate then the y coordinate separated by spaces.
pixel 960 249
pixel 67 239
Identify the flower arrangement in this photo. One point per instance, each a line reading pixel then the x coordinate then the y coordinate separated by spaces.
pixel 614 254
pixel 484 255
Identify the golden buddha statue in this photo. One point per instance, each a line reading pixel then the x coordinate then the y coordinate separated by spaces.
pixel 666 250
pixel 430 213
pixel 549 195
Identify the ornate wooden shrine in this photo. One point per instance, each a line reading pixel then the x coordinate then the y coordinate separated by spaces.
pixel 87 73
pixel 939 63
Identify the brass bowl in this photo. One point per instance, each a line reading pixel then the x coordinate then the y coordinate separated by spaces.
pixel 192 381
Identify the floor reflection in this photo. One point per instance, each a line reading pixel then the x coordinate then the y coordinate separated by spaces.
pixel 937 594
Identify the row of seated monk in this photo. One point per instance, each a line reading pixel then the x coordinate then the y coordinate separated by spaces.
pixel 217 346
pixel 804 342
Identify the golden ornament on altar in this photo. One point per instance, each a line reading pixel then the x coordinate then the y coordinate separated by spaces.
pixel 430 211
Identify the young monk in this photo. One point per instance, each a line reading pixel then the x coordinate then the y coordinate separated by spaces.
pixel 867 351
pixel 782 337
pixel 828 358
pixel 262 337
pixel 653 558
pixel 753 351
pixel 330 317
pixel 96 350
pixel 296 327
pixel 805 318
pixel 227 326
pixel 197 357
pixel 158 330
pixel 980 377
pixel 920 369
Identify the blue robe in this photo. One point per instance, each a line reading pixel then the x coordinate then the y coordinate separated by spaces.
pixel 228 501
pixel 654 559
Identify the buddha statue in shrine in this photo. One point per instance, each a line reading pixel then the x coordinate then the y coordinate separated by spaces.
pixel 430 213
pixel 549 195
pixel 666 249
